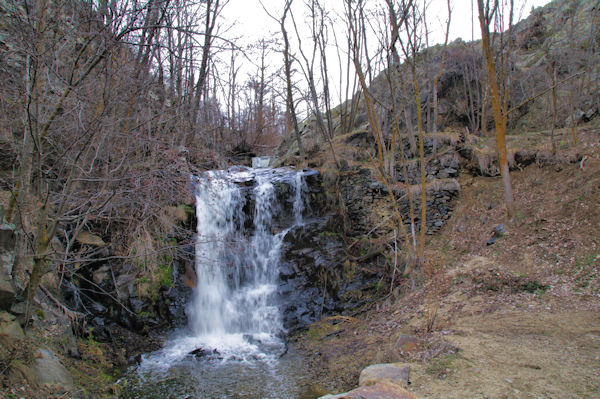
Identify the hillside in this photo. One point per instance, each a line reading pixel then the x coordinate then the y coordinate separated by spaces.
pixel 501 308
pixel 517 318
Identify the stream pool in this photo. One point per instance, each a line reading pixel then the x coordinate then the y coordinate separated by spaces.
pixel 283 378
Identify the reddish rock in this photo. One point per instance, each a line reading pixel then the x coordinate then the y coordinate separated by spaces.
pixel 393 373
pixel 381 390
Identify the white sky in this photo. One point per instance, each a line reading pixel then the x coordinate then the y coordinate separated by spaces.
pixel 253 24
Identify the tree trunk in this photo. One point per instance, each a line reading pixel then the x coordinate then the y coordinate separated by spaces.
pixel 499 116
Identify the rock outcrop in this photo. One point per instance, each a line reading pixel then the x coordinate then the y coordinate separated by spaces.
pixel 317 278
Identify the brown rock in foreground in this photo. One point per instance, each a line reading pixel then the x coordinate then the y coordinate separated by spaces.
pixel 393 373
pixel 381 390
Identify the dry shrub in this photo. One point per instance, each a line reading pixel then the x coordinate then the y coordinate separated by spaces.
pixel 153 258
pixel 436 287
pixel 142 248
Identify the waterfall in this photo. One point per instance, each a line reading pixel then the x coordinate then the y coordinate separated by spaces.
pixel 242 220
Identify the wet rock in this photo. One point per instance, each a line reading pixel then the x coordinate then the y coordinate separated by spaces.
pixel 49 370
pixel 98 308
pixel 174 300
pixel 125 286
pixel 381 390
pixel 393 373
pixel 203 353
pixel 138 305
pixel 100 331
pixel 316 279
pixel 133 360
pixel 200 352
pixel 190 279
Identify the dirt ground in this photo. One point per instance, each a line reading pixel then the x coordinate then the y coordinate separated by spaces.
pixel 526 353
pixel 519 318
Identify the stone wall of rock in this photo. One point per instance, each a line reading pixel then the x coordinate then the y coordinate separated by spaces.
pixel 367 203
pixel 442 166
pixel 317 277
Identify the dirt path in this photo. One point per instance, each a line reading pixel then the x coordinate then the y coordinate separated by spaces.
pixel 528 353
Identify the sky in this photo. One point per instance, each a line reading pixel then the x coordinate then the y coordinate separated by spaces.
pixel 251 23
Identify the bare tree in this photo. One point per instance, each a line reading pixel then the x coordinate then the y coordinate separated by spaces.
pixel 287 59
pixel 318 26
pixel 94 121
pixel 487 12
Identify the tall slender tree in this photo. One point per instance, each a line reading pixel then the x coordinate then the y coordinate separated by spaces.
pixel 487 12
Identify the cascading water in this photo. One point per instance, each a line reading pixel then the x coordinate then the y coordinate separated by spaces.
pixel 234 318
pixel 233 307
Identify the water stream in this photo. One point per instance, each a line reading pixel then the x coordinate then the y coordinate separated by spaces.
pixel 234 345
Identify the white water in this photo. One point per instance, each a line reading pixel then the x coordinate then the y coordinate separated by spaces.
pixel 261 162
pixel 234 309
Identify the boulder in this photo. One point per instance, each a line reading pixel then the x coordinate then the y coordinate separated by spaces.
pixel 7 260
pixel 381 390
pixel 9 326
pixel 125 286
pixel 7 236
pixel 101 274
pixel 49 370
pixel 393 373
pixel 18 308
pixel 87 238
pixel 7 291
